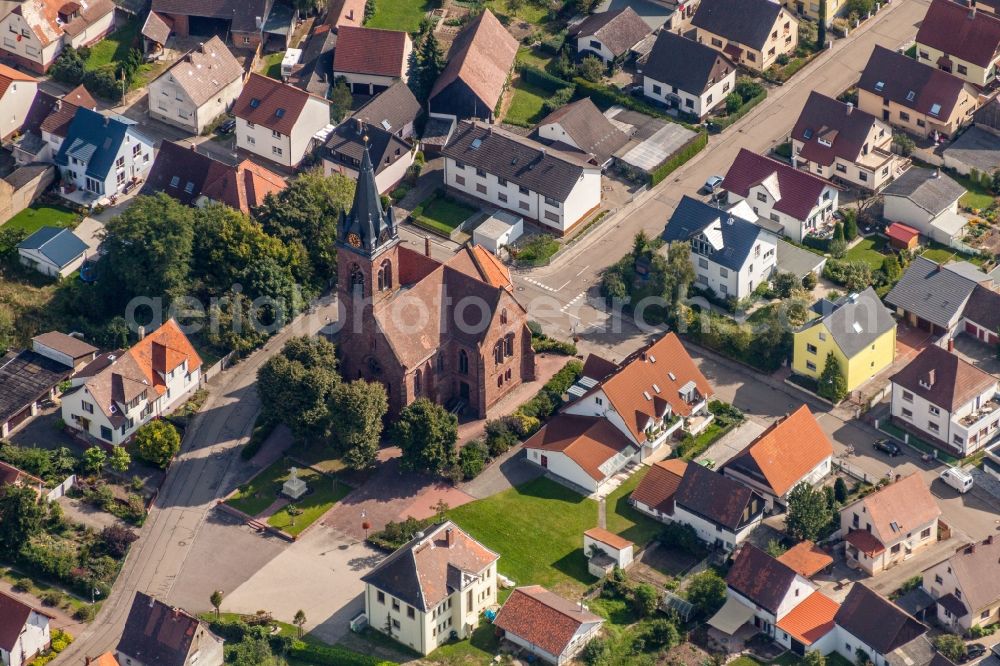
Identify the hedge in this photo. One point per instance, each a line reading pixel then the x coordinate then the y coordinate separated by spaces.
pixel 693 147
pixel 543 79
pixel 719 124
pixel 604 96
pixel 323 655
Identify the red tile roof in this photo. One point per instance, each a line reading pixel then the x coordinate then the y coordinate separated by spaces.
pixel 542 618
pixel 657 488
pixel 277 106
pixel 900 507
pixel 479 263
pixel 14 476
pixel 482 56
pixel 242 187
pixel 589 441
pixel 609 538
pixel 810 620
pixel 960 31
pixel 799 190
pixel 864 541
pixel 806 558
pixel 900 232
pixel 843 126
pixel 370 51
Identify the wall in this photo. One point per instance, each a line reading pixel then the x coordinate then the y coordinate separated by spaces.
pixel 385 180
pixel 963 69
pixel 793 228
pixel 697 103
pixel 585 47
pixel 171 104
pixel 14 106
pixel 260 140
pixel 314 117
pixel 27 52
pixel 709 532
pixel 14 201
pixel 564 467
pixel 916 123
pixel 95 31
pixel 622 558
pixel 726 282
pixel 39 262
pixel 135 166
pixel 810 9
pixel 34 637
pixel 598 404
pixel 784 42
pixel 922 419
pixel 871 360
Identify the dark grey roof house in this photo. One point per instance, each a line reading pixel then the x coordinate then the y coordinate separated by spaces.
pixel 156 633
pixel 609 35
pixel 53 251
pixel 934 296
pixel 855 321
pixel 878 625
pixel 746 22
pixel 680 65
pixel 731 507
pixel 344 152
pixel 581 126
pixel 395 110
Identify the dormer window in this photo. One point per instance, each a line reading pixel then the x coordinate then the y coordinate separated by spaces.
pixel 935 109
pixel 910 96
pixel 880 85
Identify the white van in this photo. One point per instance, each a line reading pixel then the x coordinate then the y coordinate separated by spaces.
pixel 957 478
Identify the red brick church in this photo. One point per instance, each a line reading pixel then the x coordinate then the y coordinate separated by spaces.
pixel 452 332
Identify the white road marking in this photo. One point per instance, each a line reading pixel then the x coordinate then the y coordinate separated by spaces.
pixel 573 302
pixel 543 286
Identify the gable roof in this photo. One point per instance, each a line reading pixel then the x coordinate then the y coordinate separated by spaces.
pixel 178 171
pixel 95 139
pixel 26 376
pixel 392 109
pixel 608 538
pixel 748 22
pixel 543 618
pixel 658 488
pixel 44 17
pixel 315 71
pixel 14 614
pixel 876 621
pixel 155 633
pixel 270 103
pixel 426 570
pixel 713 496
pixel 73 347
pixel 806 558
pixel 929 189
pixel 157 27
pixel 943 378
pixel 618 30
pixel 13 475
pixel 798 191
pixel 589 441
pixel 855 321
pixel 692 67
pixel 203 72
pixel 732 237
pixel 934 292
pixel 478 262
pixel 785 453
pixel 243 186
pixel 896 76
pixel 959 31
pixel 843 126
pixel 59 245
pixel 59 116
pixel 9 75
pixel 371 51
pixel 590 129
pixel 518 159
pixel 983 307
pixel 759 577
pixel 347 143
pixel 975 568
pixel 481 56
pixel 242 14
pixel 811 619
pixel 899 507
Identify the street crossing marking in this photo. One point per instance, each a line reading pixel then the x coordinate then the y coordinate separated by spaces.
pixel 539 284
pixel 573 302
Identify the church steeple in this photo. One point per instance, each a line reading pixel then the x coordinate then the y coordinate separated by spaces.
pixel 367 229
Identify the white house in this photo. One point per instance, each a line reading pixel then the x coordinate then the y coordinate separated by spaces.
pixel 555 188
pixel 941 397
pixel 24 631
pixel 799 202
pixel 926 200
pixel 609 35
pixel 965 586
pixel 17 92
pixel 53 251
pixel 606 550
pixel 102 155
pixel 277 121
pixel 198 88
pixel 390 155
pixel 546 625
pixel 436 585
pixel 890 525
pixel 581 124
pixel 367 75
pixel 869 623
pixel 109 401
pixel 686 75
pixel 721 511
pixel 731 254
pixel 36 31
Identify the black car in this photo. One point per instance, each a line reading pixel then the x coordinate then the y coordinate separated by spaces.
pixel 974 651
pixel 228 126
pixel 888 447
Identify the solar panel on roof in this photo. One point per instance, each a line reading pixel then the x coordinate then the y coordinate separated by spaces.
pixel 476 143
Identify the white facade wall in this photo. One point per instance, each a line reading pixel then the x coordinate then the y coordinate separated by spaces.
pixel 897 548
pixel 726 282
pixel 38 261
pixel 795 229
pixel 847 644
pixel 597 404
pixel 287 150
pixel 941 424
pixel 136 164
pixel 564 467
pixel 94 32
pixel 385 180
pixel 814 476
pixel 622 558
pixel 29 46
pixel 591 45
pixel 580 638
pixel 171 104
pixel 314 117
pixel 711 533
pixel 692 102
pixel 34 637
pixel 14 106
pixel 901 209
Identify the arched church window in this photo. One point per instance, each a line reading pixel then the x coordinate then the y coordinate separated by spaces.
pixel 463 362
pixel 357 280
pixel 386 273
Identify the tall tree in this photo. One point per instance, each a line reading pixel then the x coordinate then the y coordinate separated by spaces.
pixel 119 459
pixel 426 433
pixel 300 620
pixel 296 385
pixel 808 513
pixel 94 460
pixel 429 62
pixel 356 412
pixel 21 516
pixel 216 600
pixel 707 591
pixel 821 30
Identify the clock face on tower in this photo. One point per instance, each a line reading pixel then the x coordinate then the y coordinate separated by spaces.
pixel 354 240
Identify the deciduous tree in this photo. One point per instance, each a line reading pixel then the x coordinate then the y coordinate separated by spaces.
pixel 426 433
pixel 21 516
pixel 808 513
pixel 356 412
pixel 158 442
pixel 707 591
pixel 94 460
pixel 120 459
pixel 295 386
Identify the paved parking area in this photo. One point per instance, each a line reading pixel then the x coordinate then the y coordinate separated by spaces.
pixel 733 442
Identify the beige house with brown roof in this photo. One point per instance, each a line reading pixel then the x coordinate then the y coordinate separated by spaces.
pixel 890 525
pixel 966 586
pixel 198 88
pixel 434 587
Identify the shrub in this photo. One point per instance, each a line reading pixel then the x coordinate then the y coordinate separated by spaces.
pixel 682 537
pixel 855 275
pixel 840 490
pixel 500 436
pixel 262 429
pixel 904 143
pixel 395 535
pixel 645 599
pixel 472 459
pixel 596 652
pixel 951 646
pixel 117 539
pixel 52 598
pixel 733 102
pixel 84 613
pixel 542 343
pixel 331 655
pixel 68 67
pixel 809 281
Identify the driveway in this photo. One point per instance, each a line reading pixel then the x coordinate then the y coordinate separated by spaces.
pixel 89 230
pixel 733 442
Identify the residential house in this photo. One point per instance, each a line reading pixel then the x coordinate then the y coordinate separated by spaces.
pixel 655 493
pixel 807 559
pixel 802 203
pixel 314 72
pixel 857 328
pixel 965 586
pixel 977 149
pixel 24 631
pixel 16 477
pixel 243 187
pixel 687 75
pixel 343 152
pixel 546 625
pixel 810 625
pixel 396 111
pixel 837 141
pixel 752 33
pixel 810 9
pixel 731 255
pixel 606 551
pixel 936 297
pixel 943 398
pixel 889 525
pixel 722 512
pixel 371 59
pixel 243 20
pixel 580 126
pixel 198 87
pixel 47 124
pixel 156 633
pixel 53 251
pixel 479 65
pixel 957 39
pixel 792 451
pixel 277 121
pixel 870 624
pixel 435 586
pixel 926 200
pixel 116 395
pixel 36 31
pixel 556 188
pixel 609 35
pixel 102 155
pixel 17 92
pixel 625 414
pixel 914 97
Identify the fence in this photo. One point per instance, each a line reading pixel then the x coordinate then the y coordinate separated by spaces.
pixel 62 488
pixel 854 471
pixel 218 367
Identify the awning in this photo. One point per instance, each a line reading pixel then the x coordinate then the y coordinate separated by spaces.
pixel 731 617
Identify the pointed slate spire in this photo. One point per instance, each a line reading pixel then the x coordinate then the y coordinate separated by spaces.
pixel 367 227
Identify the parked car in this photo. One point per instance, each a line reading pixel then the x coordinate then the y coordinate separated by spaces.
pixel 713 183
pixel 228 126
pixel 888 447
pixel 974 651
pixel 957 478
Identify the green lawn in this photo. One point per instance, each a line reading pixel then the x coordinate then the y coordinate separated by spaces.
pixel 526 105
pixel 538 530
pixel 441 213
pixel 623 519
pixel 34 218
pixel 526 11
pixel 270 65
pixel 533 57
pixel 478 649
pixel 977 197
pixel 402 15
pixel 868 251
pixel 115 46
pixel 941 255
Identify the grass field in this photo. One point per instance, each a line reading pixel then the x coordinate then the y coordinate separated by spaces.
pixel 538 530
pixel 977 197
pixel 526 107
pixel 479 649
pixel 34 218
pixel 263 490
pixel 402 15
pixel 868 251
pixel 526 11
pixel 623 519
pixel 441 213
pixel 115 46
pixel 533 57
pixel 270 65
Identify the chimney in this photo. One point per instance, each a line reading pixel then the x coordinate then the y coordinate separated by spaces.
pixel 359 125
pixel 931 376
pixel 86 661
pixel 971 549
pixel 989 541
pixel 427 246
pixel 449 535
pixel 898 477
pixel 729 220
pixel 142 329
pixel 850 108
pixel 58 104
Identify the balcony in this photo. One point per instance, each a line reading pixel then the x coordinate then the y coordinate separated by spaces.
pixel 875 159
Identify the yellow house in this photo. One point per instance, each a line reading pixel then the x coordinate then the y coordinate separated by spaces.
pixel 810 9
pixel 858 329
pixel 752 33
pixel 961 41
